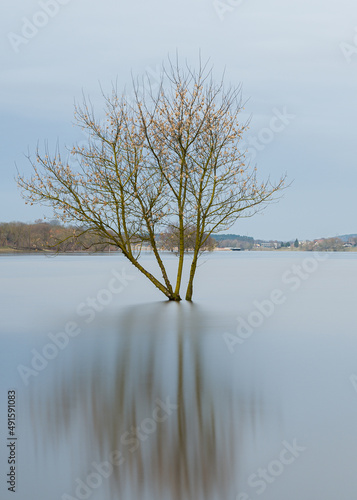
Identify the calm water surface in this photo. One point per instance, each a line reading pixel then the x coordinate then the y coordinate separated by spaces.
pixel 250 392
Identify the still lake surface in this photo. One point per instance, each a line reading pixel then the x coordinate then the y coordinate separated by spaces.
pixel 250 392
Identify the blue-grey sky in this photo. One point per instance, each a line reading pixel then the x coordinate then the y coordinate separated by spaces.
pixel 297 62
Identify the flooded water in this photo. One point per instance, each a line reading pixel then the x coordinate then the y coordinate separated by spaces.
pixel 250 392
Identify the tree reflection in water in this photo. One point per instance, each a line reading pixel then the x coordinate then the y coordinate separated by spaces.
pixel 104 400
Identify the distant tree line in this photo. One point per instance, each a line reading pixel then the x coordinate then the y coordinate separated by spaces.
pixel 329 244
pixel 45 236
pixel 233 241
pixel 54 236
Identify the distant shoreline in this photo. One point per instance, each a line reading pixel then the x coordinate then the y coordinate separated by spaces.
pixel 13 251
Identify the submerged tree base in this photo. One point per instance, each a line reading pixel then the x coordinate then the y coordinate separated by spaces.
pixel 165 161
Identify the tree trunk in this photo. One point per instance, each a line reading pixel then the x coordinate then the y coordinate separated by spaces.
pixel 169 293
pixel 189 291
pixel 163 270
pixel 181 257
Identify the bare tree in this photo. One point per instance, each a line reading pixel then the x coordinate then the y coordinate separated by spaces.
pixel 168 157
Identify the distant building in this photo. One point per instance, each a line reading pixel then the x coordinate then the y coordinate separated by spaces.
pixel 267 244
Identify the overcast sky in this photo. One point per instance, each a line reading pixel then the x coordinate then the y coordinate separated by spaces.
pixel 297 62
